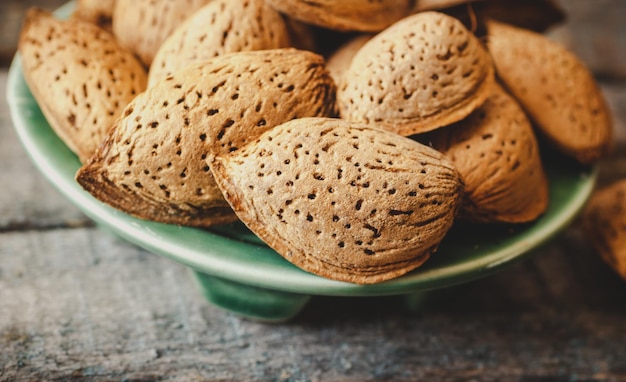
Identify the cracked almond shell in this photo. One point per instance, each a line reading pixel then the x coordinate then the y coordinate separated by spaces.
pixel 153 164
pixel 423 72
pixel 221 26
pixel 80 76
pixel 555 88
pixel 342 200
pixel 497 154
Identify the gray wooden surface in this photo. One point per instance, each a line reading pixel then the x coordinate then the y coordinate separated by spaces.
pixel 79 304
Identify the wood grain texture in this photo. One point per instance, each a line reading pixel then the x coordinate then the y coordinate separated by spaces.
pixel 37 205
pixel 77 304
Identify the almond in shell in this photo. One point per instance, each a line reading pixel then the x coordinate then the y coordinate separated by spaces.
pixel 604 223
pixel 142 25
pixel 222 26
pixel 80 76
pixel 342 200
pixel 153 164
pixel 423 72
pixel 437 5
pixel 99 12
pixel 556 89
pixel 537 15
pixel 345 15
pixel 497 154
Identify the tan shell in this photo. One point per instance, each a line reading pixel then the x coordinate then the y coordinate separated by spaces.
pixel 222 26
pixel 142 25
pixel 345 15
pixel 99 12
pixel 153 164
pixel 537 15
pixel 342 200
pixel 81 78
pixel 423 72
pixel 496 152
pixel 604 224
pixel 555 88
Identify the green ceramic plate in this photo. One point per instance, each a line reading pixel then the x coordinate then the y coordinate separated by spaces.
pixel 238 272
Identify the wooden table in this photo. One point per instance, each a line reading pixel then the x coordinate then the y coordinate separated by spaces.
pixel 79 304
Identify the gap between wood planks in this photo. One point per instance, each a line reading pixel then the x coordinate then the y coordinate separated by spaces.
pixel 30 226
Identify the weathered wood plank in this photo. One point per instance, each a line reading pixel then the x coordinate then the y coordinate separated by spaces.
pixel 80 303
pixel 27 200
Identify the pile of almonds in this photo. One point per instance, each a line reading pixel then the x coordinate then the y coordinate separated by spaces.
pixel 347 135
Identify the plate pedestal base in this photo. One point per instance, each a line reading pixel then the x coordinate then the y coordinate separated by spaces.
pixel 274 306
pixel 261 304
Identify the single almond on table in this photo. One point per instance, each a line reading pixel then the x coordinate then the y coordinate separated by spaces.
pixel 153 164
pixel 142 25
pixel 556 89
pixel 342 200
pixel 496 152
pixel 604 223
pixel 221 26
pixel 423 72
pixel 345 15
pixel 80 76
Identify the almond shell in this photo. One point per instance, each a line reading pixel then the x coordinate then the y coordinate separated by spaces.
pixel 153 163
pixel 342 200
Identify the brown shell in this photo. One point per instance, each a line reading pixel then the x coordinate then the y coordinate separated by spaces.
pixel 142 25
pixel 153 163
pixel 604 224
pixel 436 5
pixel 222 26
pixel 345 15
pixel 537 15
pixel 423 72
pixel 496 152
pixel 556 89
pixel 342 200
pixel 81 78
